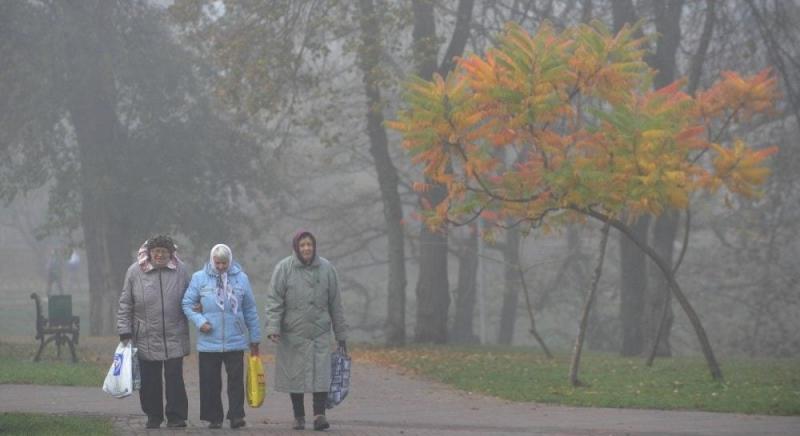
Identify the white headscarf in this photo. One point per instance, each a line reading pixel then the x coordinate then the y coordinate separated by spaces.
pixel 224 291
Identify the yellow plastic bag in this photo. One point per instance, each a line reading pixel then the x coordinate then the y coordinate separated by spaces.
pixel 255 384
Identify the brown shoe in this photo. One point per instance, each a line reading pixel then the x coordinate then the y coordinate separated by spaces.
pixel 238 422
pixel 320 423
pixel 299 423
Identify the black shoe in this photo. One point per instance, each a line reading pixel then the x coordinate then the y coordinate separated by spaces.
pixel 214 425
pixel 176 423
pixel 153 423
pixel 299 423
pixel 238 422
pixel 320 423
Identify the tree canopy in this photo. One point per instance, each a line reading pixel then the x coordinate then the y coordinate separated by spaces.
pixel 586 131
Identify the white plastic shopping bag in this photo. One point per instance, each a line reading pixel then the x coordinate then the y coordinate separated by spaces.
pixel 119 380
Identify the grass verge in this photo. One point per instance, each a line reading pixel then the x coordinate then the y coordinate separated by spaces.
pixel 28 424
pixel 763 386
pixel 19 368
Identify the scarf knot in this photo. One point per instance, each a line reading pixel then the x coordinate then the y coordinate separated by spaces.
pixel 225 292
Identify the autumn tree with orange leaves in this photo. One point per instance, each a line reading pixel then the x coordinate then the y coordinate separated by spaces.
pixel 587 135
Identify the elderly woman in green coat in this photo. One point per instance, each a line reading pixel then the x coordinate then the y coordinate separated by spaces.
pixel 303 307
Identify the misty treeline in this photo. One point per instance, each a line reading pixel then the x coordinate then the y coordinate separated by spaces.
pixel 241 121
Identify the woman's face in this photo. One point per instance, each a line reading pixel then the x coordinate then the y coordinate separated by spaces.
pixel 159 256
pixel 221 264
pixel 306 247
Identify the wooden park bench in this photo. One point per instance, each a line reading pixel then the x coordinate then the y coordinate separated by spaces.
pixel 60 326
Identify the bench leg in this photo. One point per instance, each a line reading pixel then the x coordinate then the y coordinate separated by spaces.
pixel 39 352
pixel 59 341
pixel 72 349
pixel 44 344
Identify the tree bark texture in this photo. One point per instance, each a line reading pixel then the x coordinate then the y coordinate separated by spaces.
pixel 677 292
pixel 529 308
pixel 395 328
pixel 633 266
pixel 508 312
pixel 587 308
pixel 433 294
pixel 633 284
pixel 462 331
pixel 665 228
pixel 101 150
pixel 658 303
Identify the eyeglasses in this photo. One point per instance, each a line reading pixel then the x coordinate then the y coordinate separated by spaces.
pixel 159 251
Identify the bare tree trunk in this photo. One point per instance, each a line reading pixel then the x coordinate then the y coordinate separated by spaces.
pixel 667 309
pixel 586 11
pixel 587 308
pixel 677 292
pixel 633 271
pixel 92 107
pixel 633 267
pixel 667 18
pixel 695 71
pixel 387 177
pixel 529 307
pixel 462 330
pixel 698 59
pixel 658 309
pixel 508 312
pixel 433 294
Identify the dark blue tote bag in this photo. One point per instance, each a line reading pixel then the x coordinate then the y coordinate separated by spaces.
pixel 340 377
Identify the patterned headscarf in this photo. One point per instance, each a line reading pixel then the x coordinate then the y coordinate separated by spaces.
pixel 224 290
pixel 143 258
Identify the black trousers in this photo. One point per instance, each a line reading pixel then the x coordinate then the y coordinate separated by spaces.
pixel 211 385
pixel 299 407
pixel 151 391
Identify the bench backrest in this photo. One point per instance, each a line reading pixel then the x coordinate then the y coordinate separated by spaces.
pixel 59 310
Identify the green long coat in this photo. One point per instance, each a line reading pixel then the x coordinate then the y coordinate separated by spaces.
pixel 303 304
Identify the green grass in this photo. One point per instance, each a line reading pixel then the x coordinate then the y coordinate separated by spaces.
pixel 765 386
pixel 34 424
pixel 19 368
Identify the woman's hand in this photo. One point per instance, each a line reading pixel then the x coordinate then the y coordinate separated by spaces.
pixel 254 349
pixel 205 328
pixel 274 337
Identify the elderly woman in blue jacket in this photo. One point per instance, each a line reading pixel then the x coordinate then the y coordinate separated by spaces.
pixel 220 302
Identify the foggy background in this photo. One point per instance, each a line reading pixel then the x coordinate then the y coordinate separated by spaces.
pixel 243 121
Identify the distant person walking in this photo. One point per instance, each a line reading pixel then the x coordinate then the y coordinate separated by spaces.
pixel 221 304
pixel 73 269
pixel 303 305
pixel 54 269
pixel 150 314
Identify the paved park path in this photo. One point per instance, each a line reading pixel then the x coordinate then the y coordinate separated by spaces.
pixel 384 402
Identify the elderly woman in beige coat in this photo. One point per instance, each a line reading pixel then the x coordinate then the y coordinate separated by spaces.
pixel 303 307
pixel 150 314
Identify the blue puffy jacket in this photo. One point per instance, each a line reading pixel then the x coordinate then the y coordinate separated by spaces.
pixel 229 331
